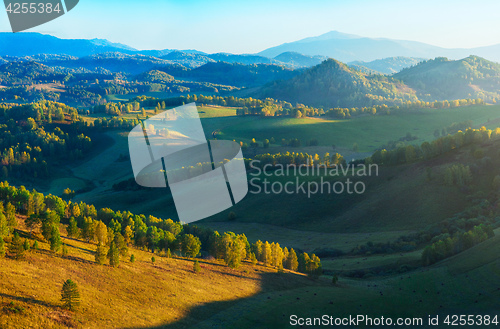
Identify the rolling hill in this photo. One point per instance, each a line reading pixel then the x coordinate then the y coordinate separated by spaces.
pixel 334 84
pixel 441 78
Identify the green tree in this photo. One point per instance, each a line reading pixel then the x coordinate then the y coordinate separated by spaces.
pixel 26 245
pixel 35 245
pixel 2 247
pixel 132 258
pixel 100 254
pixel 70 295
pixel 10 213
pixel 16 247
pixel 153 259
pixel 73 230
pixel 4 226
pixel 190 245
pixel 113 255
pixel 55 239
pixel 196 267
pixel 169 254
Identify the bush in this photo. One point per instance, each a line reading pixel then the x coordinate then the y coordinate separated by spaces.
pixel 196 267
pixel 132 258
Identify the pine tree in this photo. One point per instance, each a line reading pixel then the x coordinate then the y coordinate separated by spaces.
pixel 169 254
pixel 35 245
pixel 2 247
pixel 26 245
pixel 113 255
pixel 153 259
pixel 55 239
pixel 196 267
pixel 100 254
pixel 132 258
pixel 17 248
pixel 70 295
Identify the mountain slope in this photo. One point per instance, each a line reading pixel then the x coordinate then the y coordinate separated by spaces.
pixel 441 78
pixel 334 84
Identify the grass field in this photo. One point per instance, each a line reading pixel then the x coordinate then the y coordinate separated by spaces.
pixel 140 294
pixel 369 132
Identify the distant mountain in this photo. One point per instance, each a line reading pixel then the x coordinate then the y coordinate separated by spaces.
pixel 242 59
pixel 348 48
pixel 114 62
pixel 441 78
pixel 389 65
pixel 334 84
pixel 29 44
pixel 187 59
pixel 294 59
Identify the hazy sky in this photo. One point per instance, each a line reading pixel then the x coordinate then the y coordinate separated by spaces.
pixel 251 26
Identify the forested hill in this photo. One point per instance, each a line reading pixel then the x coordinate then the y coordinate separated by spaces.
pixel 334 84
pixel 389 65
pixel 440 78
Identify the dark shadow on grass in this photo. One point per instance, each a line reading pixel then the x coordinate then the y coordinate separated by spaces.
pixel 29 300
pixel 270 282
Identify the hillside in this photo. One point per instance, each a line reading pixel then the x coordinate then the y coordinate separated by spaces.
pixel 139 294
pixel 388 66
pixel 334 84
pixel 155 76
pixel 441 78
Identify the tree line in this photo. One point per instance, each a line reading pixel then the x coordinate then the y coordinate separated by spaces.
pixel 114 232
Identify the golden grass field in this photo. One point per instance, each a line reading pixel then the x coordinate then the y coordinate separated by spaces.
pixel 139 294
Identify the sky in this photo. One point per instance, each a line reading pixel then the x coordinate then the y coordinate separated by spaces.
pixel 238 26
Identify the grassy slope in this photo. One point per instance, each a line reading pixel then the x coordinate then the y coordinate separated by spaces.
pixel 139 294
pixel 168 294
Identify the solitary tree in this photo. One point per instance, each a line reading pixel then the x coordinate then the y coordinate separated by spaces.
pixel 196 267
pixel 70 295
pixel 132 258
pixel 153 259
